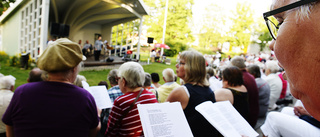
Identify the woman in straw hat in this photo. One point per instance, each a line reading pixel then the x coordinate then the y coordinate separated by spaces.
pixel 55 107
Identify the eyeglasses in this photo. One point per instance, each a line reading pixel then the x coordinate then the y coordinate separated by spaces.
pixel 272 27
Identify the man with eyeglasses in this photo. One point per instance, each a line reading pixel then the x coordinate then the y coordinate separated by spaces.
pixel 296 43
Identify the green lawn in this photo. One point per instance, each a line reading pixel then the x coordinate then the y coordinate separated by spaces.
pixel 93 77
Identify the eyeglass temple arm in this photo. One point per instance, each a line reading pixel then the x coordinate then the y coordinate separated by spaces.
pixel 287 7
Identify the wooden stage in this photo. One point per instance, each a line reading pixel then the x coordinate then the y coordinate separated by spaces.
pixel 103 61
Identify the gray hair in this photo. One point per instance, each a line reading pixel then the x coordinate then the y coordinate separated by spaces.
pixel 112 77
pixel 303 11
pixel 133 73
pixel 168 74
pixel 147 81
pixel 238 61
pixel 7 81
pixel 272 66
pixel 78 81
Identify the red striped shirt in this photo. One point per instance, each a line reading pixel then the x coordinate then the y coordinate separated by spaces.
pixel 131 124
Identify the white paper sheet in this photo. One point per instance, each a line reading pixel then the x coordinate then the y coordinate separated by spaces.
pixel 100 95
pixel 226 119
pixel 164 120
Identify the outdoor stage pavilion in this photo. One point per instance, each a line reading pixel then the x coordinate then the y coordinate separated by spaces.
pixel 28 25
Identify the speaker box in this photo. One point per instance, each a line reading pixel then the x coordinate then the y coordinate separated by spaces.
pixel 109 60
pixel 55 29
pixel 64 30
pixel 150 40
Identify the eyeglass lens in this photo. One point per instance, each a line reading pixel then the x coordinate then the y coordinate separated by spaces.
pixel 272 28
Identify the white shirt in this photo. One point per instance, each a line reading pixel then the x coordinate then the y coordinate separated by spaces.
pixel 215 83
pixel 5 98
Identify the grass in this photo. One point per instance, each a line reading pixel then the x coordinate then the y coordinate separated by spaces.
pixel 93 77
pixel 20 75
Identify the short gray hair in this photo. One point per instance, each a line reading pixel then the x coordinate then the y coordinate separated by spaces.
pixel 168 74
pixel 303 11
pixel 78 81
pixel 7 81
pixel 112 77
pixel 133 73
pixel 238 61
pixel 272 66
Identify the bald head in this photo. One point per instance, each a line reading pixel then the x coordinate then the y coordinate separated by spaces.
pixel 35 75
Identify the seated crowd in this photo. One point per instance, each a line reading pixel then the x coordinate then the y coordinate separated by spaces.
pixel 54 103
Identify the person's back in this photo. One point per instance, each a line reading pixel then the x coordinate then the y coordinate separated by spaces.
pixel 240 102
pixel 252 89
pixel 6 88
pixel 130 124
pixel 165 89
pixel 264 94
pixel 200 127
pixel 253 94
pixel 60 110
pixel 275 84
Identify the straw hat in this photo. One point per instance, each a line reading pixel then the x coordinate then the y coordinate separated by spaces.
pixel 62 54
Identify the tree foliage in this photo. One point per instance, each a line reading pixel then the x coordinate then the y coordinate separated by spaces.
pixel 242 26
pixel 212 27
pixel 177 28
pixel 5 4
pixel 263 34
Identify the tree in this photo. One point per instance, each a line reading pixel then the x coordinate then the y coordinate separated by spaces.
pixel 4 5
pixel 263 34
pixel 242 26
pixel 177 28
pixel 212 27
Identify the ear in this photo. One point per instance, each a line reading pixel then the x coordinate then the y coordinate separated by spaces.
pixel 12 88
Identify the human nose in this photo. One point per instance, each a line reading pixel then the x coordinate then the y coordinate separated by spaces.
pixel 271 45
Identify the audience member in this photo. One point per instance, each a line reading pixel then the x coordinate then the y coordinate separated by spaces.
pixel 114 92
pixel 35 75
pixel 155 80
pixel 284 86
pixel 251 87
pixel 213 81
pixel 192 69
pixel 170 84
pixel 54 107
pixel 103 83
pixel 124 118
pixel 147 85
pixel 296 46
pixel 291 122
pixel 6 93
pixel 78 81
pixel 85 48
pixel 234 91
pixel 274 82
pixel 263 87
